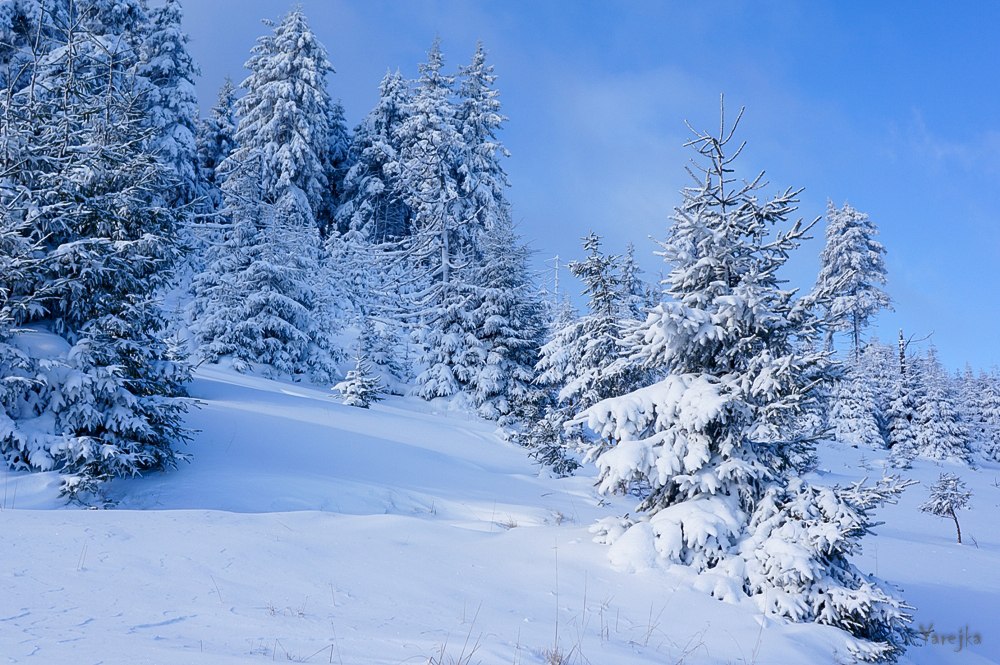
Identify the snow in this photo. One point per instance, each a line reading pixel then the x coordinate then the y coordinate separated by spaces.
pixel 306 530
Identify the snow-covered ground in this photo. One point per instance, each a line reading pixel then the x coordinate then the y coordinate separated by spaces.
pixel 308 531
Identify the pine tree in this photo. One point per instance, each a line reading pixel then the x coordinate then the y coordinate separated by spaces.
pixel 852 276
pixel 173 103
pixel 216 141
pixel 967 390
pixel 268 299
pixel 639 295
pixel 725 353
pixel 337 164
pixel 880 369
pixel 482 182
pixel 582 362
pixel 948 495
pixel 441 249
pixel 429 147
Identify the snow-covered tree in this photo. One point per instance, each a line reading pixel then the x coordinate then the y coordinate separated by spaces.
pixel 362 386
pixel 714 439
pixel 429 145
pixel 441 248
pixel 216 140
pixel 172 101
pixel 338 163
pixel 940 434
pixel 989 409
pixel 948 495
pixel 582 362
pixel 89 197
pixel 854 418
pixel 256 302
pixel 852 275
pixel 265 297
pixel 284 117
pixel 638 294
pixel 482 182
pixel 508 323
pixel 966 388
pixel 372 199
pixel 880 369
pixel 902 414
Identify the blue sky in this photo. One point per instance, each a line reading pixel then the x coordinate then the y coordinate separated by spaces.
pixel 891 106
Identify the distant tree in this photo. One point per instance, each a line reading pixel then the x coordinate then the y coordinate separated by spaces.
pixel 256 302
pixel 337 164
pixel 940 432
pixel 508 322
pixel 852 275
pixel 948 495
pixel 853 417
pixel 880 369
pixel 481 179
pixel 902 414
pixel 583 361
pixel 638 294
pixel 989 409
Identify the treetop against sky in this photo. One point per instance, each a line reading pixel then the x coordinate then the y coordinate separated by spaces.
pixel 889 107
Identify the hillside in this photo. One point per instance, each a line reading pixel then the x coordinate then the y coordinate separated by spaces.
pixel 307 531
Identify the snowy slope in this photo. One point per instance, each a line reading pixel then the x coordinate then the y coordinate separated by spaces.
pixel 308 531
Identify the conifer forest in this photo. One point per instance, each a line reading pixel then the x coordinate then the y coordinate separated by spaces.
pixel 286 381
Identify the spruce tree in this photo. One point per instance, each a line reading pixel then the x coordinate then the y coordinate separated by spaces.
pixel 265 298
pixel 215 141
pixel 852 275
pixel 725 354
pixel 940 432
pixel 880 369
pixel 372 198
pixel 508 323
pixel 285 113
pixel 441 248
pixel 902 414
pixel 337 160
pixel 104 244
pixel 172 101
pixel 582 362
pixel 256 302
pixel 638 294
pixel 854 417
pixel 362 386
pixel 989 408
pixel 948 495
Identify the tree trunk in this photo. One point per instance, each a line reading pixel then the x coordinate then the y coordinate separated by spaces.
pixel 957 527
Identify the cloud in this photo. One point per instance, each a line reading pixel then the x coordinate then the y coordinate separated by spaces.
pixel 979 154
